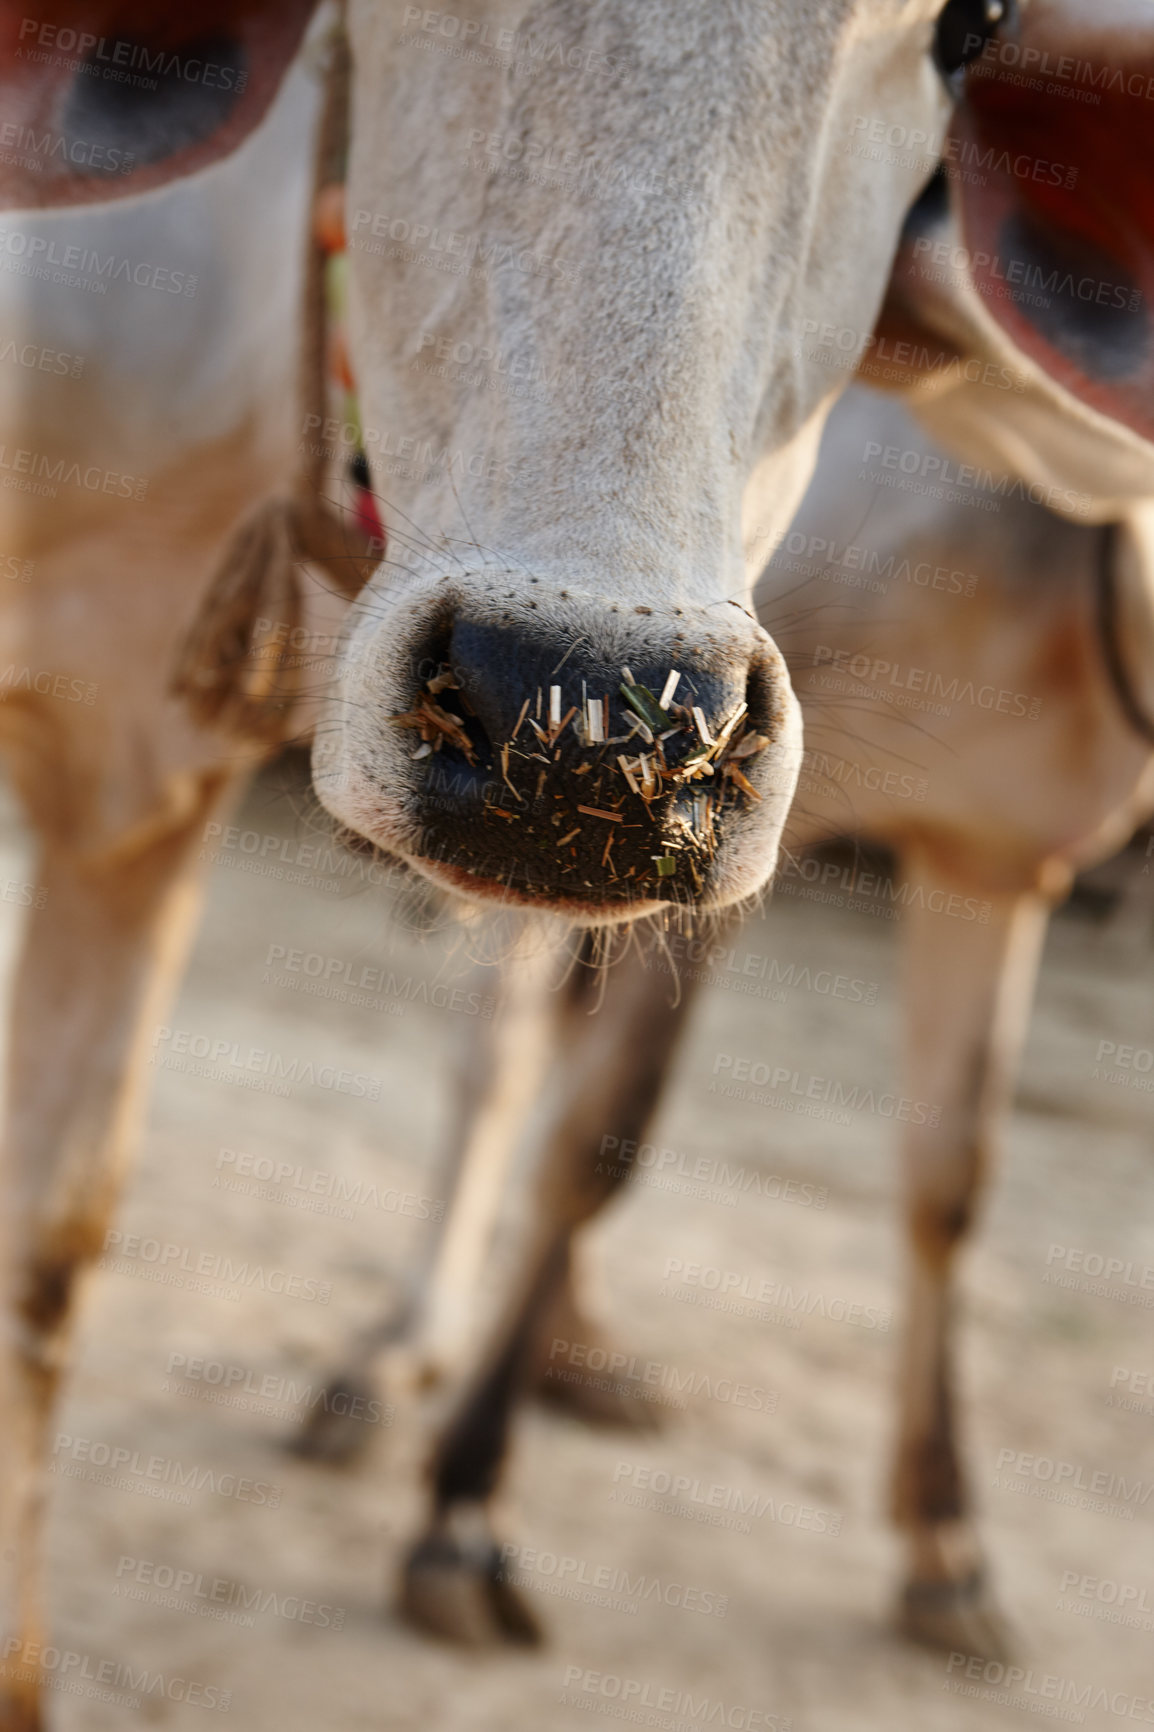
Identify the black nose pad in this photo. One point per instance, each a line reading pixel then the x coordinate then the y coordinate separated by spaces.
pixel 539 761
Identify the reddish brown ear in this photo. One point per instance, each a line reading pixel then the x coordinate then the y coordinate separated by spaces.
pixel 104 99
pixel 1051 164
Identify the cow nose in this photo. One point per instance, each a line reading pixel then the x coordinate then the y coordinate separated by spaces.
pixel 599 756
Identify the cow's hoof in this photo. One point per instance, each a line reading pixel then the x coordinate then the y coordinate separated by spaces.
pixel 339 1426
pixel 958 1617
pixel 461 1595
pixel 599 1400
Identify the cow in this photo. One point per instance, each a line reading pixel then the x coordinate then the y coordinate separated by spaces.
pixel 1021 340
pixel 543 556
pixel 148 396
pixel 977 690
pixel 577 553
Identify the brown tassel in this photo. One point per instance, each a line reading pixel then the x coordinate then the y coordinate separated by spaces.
pixel 226 676
pixel 227 680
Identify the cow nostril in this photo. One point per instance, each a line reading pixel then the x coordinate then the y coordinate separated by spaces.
pixel 763 697
pixel 445 723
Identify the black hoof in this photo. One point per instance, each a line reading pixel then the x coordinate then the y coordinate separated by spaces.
pixel 461 1595
pixel 954 1617
pixel 340 1425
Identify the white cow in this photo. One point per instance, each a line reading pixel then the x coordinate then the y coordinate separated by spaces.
pixel 978 694
pixel 1018 325
pixel 977 689
pixel 647 275
pixel 547 545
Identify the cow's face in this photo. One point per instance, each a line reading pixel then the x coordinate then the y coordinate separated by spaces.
pixel 589 241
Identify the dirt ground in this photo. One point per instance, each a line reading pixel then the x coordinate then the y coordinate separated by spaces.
pixel 772 1592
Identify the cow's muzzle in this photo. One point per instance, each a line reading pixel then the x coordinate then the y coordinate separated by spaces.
pixel 565 751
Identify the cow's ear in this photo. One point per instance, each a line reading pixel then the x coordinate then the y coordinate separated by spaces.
pixel 104 99
pixel 1050 160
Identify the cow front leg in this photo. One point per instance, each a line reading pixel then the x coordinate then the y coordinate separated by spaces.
pixel 97 963
pixel 968 988
pixel 424 1339
pixel 454 1582
pixel 571 1318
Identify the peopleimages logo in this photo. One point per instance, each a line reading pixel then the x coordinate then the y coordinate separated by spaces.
pixel 706 1177
pixel 44 473
pixel 1019 273
pixel 228 1061
pixel 511 49
pixel 457 251
pixel 959 155
pixel 1071 1483
pixel 822 772
pixel 720 963
pixel 170 1263
pixel 317 1191
pixel 1110 1277
pixel 1034 64
pixel 1046 1693
pixel 650 1703
pixel 1124 1065
pixel 370 985
pixel 35 255
pixel 938 473
pixel 574 1578
pixel 214 1595
pixel 714 1504
pixel 876 671
pixel 268 1394
pixel 46 683
pixel 878 356
pixel 739 1291
pixel 830 1091
pixel 78 1674
pixel 124 1469
pixel 653 1379
pixel 1137 1382
pixel 40 147
pixel 119 58
pixel 1104 1591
